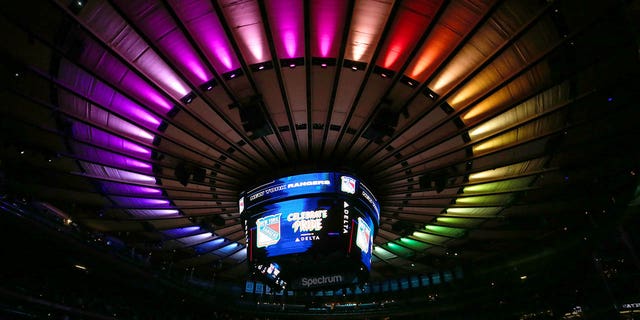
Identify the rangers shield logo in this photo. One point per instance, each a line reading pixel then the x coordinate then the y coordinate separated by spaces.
pixel 348 184
pixel 268 230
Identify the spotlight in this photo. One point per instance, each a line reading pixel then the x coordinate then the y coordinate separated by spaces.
pixel 232 74
pixel 77 5
pixel 354 65
pixel 188 98
pixel 264 65
pixel 430 94
pixel 385 73
pixel 292 62
pixel 323 62
pixel 209 85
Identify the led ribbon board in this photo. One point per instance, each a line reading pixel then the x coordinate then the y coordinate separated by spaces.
pixel 313 226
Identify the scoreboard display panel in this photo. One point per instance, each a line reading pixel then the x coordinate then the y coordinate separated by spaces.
pixel 317 228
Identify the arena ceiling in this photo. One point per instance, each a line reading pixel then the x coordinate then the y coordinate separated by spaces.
pixel 485 128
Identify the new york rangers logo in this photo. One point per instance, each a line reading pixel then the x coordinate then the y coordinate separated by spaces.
pixel 268 230
pixel 348 184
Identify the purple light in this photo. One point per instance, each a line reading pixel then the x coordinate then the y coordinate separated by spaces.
pixel 138 202
pixel 124 106
pixel 102 117
pixel 114 187
pixel 116 174
pixel 196 238
pixel 181 232
pixel 324 65
pixel 153 212
pixel 110 159
pixel 233 75
pixel 261 67
pixel 287 16
pixel 102 138
pixel 203 24
pixel 133 48
pixel 293 65
pixel 103 94
pixel 226 249
pixel 210 244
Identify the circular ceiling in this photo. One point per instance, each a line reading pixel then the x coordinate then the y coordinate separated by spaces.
pixel 485 128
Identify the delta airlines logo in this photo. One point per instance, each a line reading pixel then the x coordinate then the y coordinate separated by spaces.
pixel 348 185
pixel 268 230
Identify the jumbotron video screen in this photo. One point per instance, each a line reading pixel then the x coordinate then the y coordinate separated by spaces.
pixel 310 231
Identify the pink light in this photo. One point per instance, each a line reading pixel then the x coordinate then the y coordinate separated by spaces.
pixel 204 26
pixel 158 24
pixel 327 17
pixel 290 44
pixel 287 26
pixel 325 45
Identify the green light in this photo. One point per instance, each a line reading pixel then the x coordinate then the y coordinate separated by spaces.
pixel 413 244
pixel 463 222
pixel 446 231
pixel 499 199
pixel 430 238
pixel 505 185
pixel 488 211
pixel 384 254
pixel 400 250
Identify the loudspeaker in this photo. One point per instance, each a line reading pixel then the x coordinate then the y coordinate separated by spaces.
pixel 182 172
